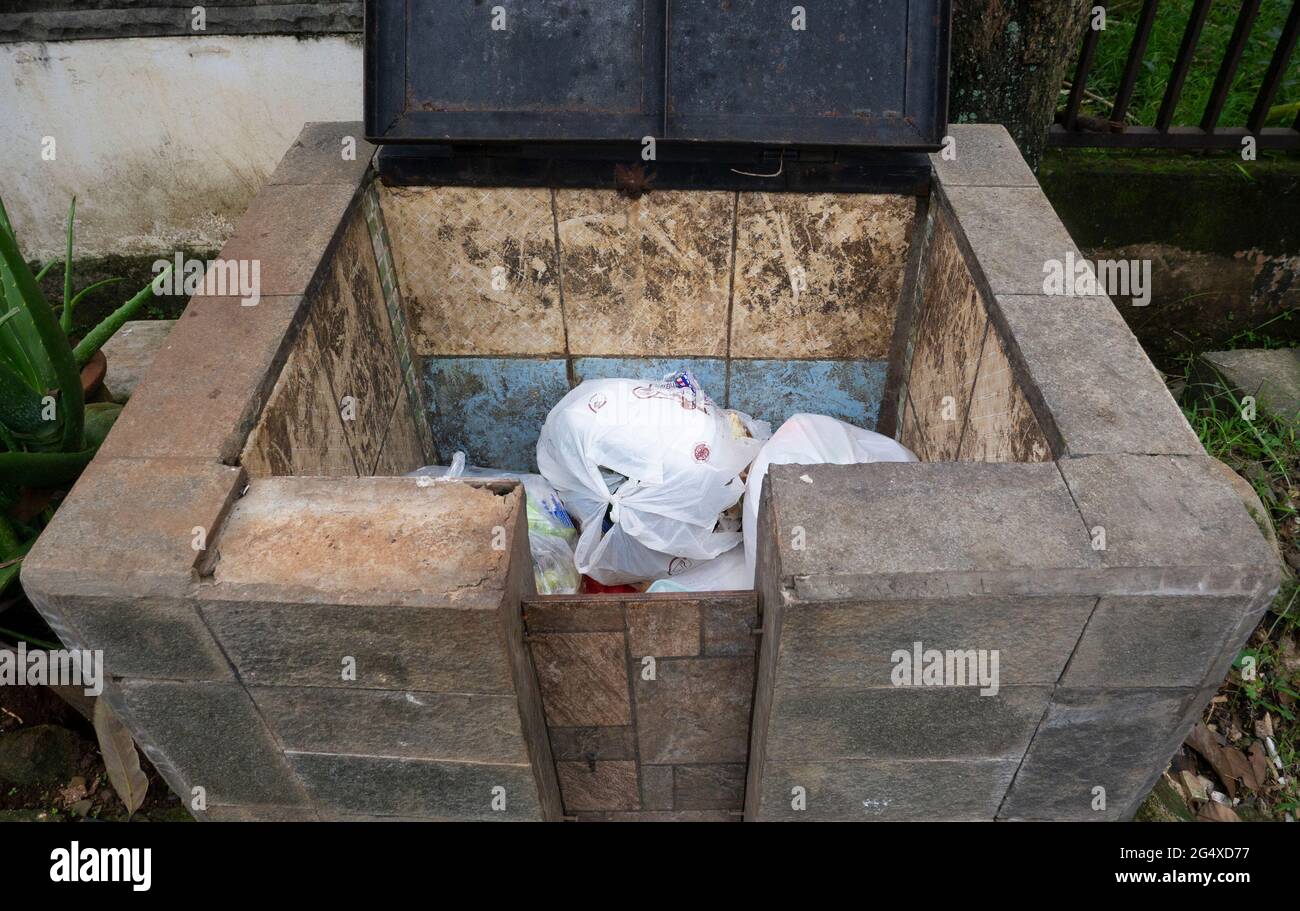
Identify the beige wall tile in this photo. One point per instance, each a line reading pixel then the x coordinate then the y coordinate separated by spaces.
pixel 1002 426
pixel 648 276
pixel 818 275
pixel 450 243
pixel 949 341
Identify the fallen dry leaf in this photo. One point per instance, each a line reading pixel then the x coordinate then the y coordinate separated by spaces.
pixel 1213 811
pixel 1229 763
pixel 1259 762
pixel 121 761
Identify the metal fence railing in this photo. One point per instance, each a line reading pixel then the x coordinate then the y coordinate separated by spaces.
pixel 1075 129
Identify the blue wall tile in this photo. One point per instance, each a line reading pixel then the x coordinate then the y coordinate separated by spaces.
pixel 711 372
pixel 492 408
pixel 774 390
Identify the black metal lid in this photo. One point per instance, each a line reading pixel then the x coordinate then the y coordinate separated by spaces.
pixel 847 73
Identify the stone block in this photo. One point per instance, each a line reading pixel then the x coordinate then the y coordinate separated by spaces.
pixel 131 524
pixel 663 628
pixel 851 644
pixel 1172 526
pixel 291 230
pixel 729 625
pixel 379 541
pixel 580 615
pixel 984 155
pixel 417 788
pixel 316 156
pixel 583 678
pixel 396 648
pixel 1095 739
pixel 1271 376
pixel 881 791
pixel 664 816
pixel 145 637
pixel 926 722
pixel 1012 232
pixel 1087 372
pixel 709 787
pixel 209 735
pixel 695 710
pixel 260 814
pixel 592 743
pixel 656 787
pixel 953 529
pixel 209 380
pixel 818 275
pixel 648 275
pixel 130 353
pixel 456 727
pixel 598 786
pixel 1152 641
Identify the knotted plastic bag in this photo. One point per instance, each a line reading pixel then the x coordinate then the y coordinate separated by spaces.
pixel 647 469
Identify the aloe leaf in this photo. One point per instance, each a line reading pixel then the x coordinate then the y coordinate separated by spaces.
pixel 40 276
pixel 95 287
pixel 67 271
pixel 43 469
pixel 96 337
pixel 20 343
pixel 52 340
pixel 20 405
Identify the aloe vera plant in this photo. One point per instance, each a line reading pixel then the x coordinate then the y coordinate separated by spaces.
pixel 48 433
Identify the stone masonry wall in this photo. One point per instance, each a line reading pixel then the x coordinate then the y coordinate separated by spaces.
pixel 647 702
pixel 1115 582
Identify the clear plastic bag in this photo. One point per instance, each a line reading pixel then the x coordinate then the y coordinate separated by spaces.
pixel 551 534
pixel 647 468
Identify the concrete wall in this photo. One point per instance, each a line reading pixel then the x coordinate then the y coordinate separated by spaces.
pixel 163 140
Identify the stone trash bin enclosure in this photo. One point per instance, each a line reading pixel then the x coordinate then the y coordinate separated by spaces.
pixel 294 631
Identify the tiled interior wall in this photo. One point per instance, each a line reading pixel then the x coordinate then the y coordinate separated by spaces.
pixel 634 739
pixel 342 405
pixel 960 400
pixel 778 302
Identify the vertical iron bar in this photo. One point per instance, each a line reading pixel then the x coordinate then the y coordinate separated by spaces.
pixel 1231 60
pixel 1081 74
pixel 1276 67
pixel 1135 55
pixel 1182 64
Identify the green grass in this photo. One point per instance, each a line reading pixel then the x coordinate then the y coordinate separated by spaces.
pixel 1166 36
pixel 1266 452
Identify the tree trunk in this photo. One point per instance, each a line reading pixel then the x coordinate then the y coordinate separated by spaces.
pixel 1008 60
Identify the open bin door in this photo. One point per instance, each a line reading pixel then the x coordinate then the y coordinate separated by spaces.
pixel 855 73
pixel 865 73
pixel 473 71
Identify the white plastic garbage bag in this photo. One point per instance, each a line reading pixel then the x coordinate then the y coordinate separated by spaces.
pixel 812 439
pixel 551 534
pixel 647 468
pixel 723 573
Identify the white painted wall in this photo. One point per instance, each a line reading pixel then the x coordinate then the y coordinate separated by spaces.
pixel 163 140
